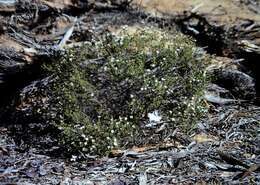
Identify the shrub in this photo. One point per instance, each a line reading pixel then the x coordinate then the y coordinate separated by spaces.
pixel 103 91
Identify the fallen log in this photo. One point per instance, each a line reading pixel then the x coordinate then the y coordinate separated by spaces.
pixel 7 6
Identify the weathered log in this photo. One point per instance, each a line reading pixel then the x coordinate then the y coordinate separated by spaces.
pixel 7 6
pixel 239 83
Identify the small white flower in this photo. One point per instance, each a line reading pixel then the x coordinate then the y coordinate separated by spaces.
pixel 115 143
pixel 84 149
pixel 124 27
pixel 73 158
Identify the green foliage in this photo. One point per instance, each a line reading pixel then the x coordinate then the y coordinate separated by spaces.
pixel 103 91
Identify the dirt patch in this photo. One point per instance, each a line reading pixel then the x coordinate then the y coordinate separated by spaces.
pixel 222 12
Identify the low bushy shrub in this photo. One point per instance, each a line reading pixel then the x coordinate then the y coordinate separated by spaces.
pixel 103 91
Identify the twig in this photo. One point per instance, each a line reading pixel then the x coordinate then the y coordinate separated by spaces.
pixel 67 35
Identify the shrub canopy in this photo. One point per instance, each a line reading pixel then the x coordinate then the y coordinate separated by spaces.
pixel 103 91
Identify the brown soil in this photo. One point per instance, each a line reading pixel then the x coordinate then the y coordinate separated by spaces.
pixel 222 12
